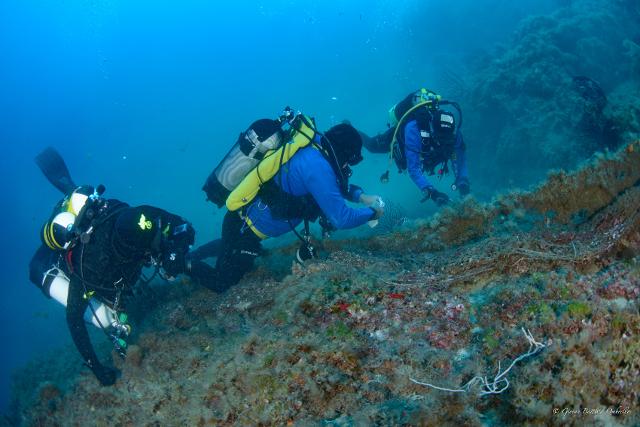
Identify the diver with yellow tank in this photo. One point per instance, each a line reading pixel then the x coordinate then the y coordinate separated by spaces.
pixel 92 256
pixel 424 136
pixel 286 173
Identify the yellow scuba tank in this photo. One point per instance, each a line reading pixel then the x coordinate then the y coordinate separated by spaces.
pixel 59 231
pixel 302 134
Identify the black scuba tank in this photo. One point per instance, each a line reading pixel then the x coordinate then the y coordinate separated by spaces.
pixel 262 136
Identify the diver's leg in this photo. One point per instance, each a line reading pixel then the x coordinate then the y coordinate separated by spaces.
pixel 42 261
pixel 234 264
pixel 208 250
pixel 204 275
pixel 238 250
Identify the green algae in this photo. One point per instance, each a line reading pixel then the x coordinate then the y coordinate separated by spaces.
pixel 339 330
pixel 490 341
pixel 543 311
pixel 578 309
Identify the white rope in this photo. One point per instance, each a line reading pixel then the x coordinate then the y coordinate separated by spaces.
pixel 500 383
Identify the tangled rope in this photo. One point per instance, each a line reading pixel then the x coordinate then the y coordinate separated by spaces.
pixel 500 383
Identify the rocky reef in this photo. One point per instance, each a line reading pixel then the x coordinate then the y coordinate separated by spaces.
pixel 559 90
pixel 340 341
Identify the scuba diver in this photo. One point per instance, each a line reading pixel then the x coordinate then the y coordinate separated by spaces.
pixel 423 137
pixel 93 253
pixel 280 174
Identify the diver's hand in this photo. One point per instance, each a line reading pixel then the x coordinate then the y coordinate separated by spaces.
pixel 439 198
pixel 463 186
pixel 377 212
pixel 368 199
pixel 173 263
pixel 107 376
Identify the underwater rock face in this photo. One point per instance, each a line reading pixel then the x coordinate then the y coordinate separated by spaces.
pixel 338 341
pixel 556 94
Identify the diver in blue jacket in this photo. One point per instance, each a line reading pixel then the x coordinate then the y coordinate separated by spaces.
pixel 312 184
pixel 423 137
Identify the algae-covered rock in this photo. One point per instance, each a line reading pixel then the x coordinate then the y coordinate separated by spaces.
pixel 558 92
pixel 338 341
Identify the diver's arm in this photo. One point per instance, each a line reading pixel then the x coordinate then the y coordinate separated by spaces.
pixel 379 143
pixel 412 150
pixel 321 182
pixel 76 306
pixel 357 195
pixel 354 193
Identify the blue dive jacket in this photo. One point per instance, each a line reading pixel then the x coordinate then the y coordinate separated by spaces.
pixel 308 172
pixel 413 149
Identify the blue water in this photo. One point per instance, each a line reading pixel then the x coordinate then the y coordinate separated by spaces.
pixel 145 97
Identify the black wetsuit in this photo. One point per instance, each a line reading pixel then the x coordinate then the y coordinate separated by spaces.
pixel 236 252
pixel 123 239
pixel 378 144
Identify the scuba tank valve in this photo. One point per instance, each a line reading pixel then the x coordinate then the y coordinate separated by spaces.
pixel 119 330
pixel 287 115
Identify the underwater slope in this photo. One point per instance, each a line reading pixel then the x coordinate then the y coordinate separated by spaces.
pixel 559 90
pixel 438 301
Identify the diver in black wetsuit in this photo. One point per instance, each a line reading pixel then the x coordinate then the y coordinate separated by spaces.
pixel 93 253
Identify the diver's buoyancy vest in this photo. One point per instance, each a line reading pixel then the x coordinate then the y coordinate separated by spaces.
pixel 100 261
pixel 422 117
pixel 285 206
pixel 436 148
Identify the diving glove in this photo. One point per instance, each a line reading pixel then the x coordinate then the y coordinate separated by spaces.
pixel 463 186
pixel 174 255
pixel 439 198
pixel 174 262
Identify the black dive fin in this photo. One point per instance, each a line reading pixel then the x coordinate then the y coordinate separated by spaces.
pixel 55 170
